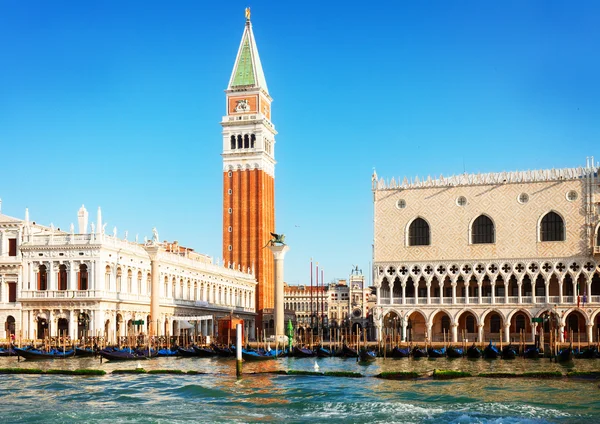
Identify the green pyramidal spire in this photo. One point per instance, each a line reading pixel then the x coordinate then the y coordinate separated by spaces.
pixel 247 71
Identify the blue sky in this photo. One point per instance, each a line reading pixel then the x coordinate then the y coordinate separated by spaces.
pixel 117 104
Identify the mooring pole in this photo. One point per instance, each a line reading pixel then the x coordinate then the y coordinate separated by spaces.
pixel 238 351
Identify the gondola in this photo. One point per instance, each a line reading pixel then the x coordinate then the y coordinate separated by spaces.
pixel 33 354
pixel 454 352
pixel 224 352
pixel 187 352
pixel 531 352
pixel 251 355
pixel 7 351
pixel 417 352
pixel 166 353
pixel 303 352
pixel 491 351
pixel 120 355
pixel 565 355
pixel 84 352
pixel 509 352
pixel 586 353
pixel 323 353
pixel 399 352
pixel 204 352
pixel 347 352
pixel 436 353
pixel 473 352
pixel 367 355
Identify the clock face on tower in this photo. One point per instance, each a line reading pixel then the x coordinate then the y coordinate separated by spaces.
pixel 242 106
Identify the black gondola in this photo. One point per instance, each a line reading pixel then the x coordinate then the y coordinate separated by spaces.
pixel 436 353
pixel 187 352
pixel 367 355
pixel 565 355
pixel 587 353
pixel 85 351
pixel 454 352
pixel 33 354
pixel 224 352
pixel 473 352
pixel 531 352
pixel 417 352
pixel 491 351
pixel 204 352
pixel 8 351
pixel 120 355
pixel 509 352
pixel 303 352
pixel 347 352
pixel 399 352
pixel 323 353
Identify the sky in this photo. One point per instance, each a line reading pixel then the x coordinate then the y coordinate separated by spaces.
pixel 118 104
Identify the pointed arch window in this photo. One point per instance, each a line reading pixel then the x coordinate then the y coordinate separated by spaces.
pixel 483 231
pixel 233 142
pixel 246 142
pixel 252 141
pixel 239 141
pixel 418 233
pixel 552 227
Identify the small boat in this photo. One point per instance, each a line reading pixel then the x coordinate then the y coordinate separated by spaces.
pixel 224 352
pixel 85 351
pixel 120 355
pixel 204 352
pixel 348 352
pixel 436 353
pixel 454 352
pixel 252 355
pixel 417 352
pixel 473 352
pixel 586 353
pixel 565 355
pixel 7 351
pixel 187 352
pixel 165 353
pixel 367 355
pixel 33 354
pixel 303 352
pixel 399 352
pixel 323 353
pixel 509 352
pixel 531 352
pixel 491 351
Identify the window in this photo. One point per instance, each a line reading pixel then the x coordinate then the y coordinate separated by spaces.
pixel 461 201
pixel 12 292
pixel 252 141
pixel 552 227
pixel 418 233
pixel 62 277
pixel 572 196
pixel 482 230
pixel 42 278
pixel 12 247
pixel 523 198
pixel 233 142
pixel 83 277
pixel 401 204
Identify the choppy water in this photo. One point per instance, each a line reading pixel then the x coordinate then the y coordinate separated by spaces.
pixel 220 397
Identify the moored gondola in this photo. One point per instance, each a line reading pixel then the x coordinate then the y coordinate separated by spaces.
pixel 34 354
pixel 7 351
pixel 454 352
pixel 473 352
pixel 168 352
pixel 323 352
pixel 400 352
pixel 84 351
pixel 187 352
pixel 531 352
pixel 347 352
pixel 302 352
pixel 436 353
pixel 491 351
pixel 587 353
pixel 509 352
pixel 417 352
pixel 223 351
pixel 367 355
pixel 120 355
pixel 252 355
pixel 565 354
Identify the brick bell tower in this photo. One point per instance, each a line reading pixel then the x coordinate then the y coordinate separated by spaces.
pixel 249 171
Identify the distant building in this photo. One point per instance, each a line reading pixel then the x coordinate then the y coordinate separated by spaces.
pixel 89 283
pixel 341 304
pixel 472 255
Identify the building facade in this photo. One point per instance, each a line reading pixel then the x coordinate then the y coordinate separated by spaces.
pixel 249 170
pixel 341 304
pixel 475 256
pixel 89 283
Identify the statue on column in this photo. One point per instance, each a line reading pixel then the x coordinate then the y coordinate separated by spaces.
pixel 155 239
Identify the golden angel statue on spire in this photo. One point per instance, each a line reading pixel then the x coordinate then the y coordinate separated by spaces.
pixel 248 13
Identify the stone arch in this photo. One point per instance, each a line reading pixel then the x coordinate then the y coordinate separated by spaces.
pixel 472 222
pixel 407 231
pixel 416 325
pixel 539 225
pixel 440 321
pixel 581 311
pixel 464 324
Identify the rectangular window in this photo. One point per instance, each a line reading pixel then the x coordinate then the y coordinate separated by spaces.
pixel 12 247
pixel 12 292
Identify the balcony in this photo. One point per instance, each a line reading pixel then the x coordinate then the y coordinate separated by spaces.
pixel 596 250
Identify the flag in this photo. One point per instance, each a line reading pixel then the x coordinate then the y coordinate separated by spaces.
pixel 578 300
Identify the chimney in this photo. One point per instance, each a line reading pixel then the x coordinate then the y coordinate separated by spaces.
pixel 82 219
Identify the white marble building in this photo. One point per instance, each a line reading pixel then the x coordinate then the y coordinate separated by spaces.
pixel 474 255
pixel 55 282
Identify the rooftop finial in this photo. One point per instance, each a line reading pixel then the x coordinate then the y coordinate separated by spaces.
pixel 247 13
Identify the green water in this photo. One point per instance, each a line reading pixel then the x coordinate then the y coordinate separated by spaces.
pixel 219 397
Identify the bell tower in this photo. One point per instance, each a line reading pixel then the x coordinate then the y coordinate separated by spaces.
pixel 249 171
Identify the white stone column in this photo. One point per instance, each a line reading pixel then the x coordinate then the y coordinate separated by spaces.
pixel 493 286
pixel 73 324
pixel 453 284
pixel 479 292
pixel 391 293
pixel 480 333
pixel 428 334
pixel 590 333
pixel 467 286
pixel 52 324
pixel 507 332
pixel 279 256
pixel 72 282
pixel 561 332
pixel 416 286
pixel 560 291
pixel 92 276
pixel 404 293
pixel 547 291
pixel 454 327
pixel 520 292
pixel 506 286
pixel 441 291
pixel 51 277
pixel 153 251
pixel 404 329
pixel 533 289
pixel 428 285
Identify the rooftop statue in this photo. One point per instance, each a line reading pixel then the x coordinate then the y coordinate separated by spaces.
pixel 277 240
